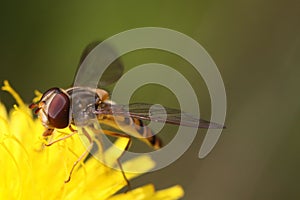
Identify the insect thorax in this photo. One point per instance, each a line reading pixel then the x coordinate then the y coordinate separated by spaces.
pixel 84 102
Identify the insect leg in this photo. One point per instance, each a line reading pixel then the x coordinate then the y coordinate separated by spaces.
pixel 114 134
pixel 82 155
pixel 48 132
pixel 60 139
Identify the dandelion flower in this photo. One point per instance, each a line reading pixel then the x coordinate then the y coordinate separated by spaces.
pixel 32 171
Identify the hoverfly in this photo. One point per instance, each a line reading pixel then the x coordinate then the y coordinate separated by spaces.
pixel 57 109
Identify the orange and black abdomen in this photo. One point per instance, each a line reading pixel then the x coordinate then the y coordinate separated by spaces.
pixel 131 126
pixel 147 133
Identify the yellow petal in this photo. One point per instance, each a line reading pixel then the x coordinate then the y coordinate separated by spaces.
pixel 145 192
pixel 8 88
pixel 3 112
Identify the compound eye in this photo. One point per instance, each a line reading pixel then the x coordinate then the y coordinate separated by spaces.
pixel 59 110
pixel 50 91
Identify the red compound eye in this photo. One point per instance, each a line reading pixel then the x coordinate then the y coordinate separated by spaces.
pixel 59 110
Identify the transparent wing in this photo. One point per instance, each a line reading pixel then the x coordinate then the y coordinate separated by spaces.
pixel 112 73
pixel 146 111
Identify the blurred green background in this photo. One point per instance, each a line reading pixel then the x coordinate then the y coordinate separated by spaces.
pixel 255 44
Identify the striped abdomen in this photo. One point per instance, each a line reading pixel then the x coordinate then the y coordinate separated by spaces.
pixel 132 126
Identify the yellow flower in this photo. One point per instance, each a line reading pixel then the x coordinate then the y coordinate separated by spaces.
pixel 29 170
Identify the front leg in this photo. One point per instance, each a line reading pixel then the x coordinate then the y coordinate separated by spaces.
pixel 60 139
